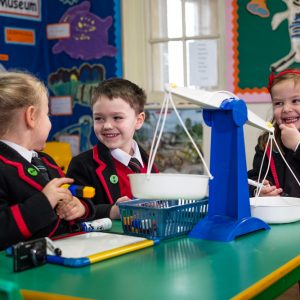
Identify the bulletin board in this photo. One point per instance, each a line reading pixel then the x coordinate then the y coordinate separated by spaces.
pixel 258 39
pixel 175 153
pixel 71 45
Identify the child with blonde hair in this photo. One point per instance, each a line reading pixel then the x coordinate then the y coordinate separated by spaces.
pixel 32 202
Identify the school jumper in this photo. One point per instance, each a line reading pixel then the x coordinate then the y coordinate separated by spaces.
pixel 97 167
pixel 25 212
pixel 285 179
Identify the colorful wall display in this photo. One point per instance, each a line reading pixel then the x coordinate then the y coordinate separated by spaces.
pixel 261 36
pixel 71 45
pixel 176 153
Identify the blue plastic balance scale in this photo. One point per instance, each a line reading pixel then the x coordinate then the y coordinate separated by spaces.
pixel 229 214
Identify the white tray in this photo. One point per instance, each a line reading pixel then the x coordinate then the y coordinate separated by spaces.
pixel 276 210
pixel 164 186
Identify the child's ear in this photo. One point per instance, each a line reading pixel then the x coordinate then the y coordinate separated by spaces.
pixel 140 120
pixel 30 116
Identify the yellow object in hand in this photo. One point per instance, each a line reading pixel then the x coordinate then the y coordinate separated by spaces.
pixel 80 191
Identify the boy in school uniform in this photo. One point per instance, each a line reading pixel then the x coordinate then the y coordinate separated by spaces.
pixel 32 202
pixel 118 111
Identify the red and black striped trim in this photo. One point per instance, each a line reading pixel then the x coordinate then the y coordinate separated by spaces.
pixel 15 210
pixel 100 174
pixel 21 173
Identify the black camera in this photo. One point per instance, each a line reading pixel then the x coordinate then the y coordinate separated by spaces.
pixel 29 254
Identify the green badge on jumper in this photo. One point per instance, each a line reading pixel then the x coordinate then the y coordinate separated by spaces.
pixel 114 179
pixel 32 171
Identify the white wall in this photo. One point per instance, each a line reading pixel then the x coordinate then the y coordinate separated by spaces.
pixel 134 42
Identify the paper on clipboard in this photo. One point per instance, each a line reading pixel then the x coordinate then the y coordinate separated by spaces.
pixel 88 248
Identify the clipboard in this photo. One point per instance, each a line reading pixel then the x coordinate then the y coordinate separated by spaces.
pixel 88 248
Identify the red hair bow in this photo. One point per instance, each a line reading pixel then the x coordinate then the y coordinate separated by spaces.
pixel 273 76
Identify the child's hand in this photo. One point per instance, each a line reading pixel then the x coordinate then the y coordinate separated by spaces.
pixel 115 211
pixel 70 210
pixel 290 136
pixel 269 190
pixel 54 192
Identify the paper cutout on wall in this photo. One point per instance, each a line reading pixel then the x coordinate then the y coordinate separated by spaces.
pixel 89 34
pixel 77 82
pixel 27 10
pixel 291 14
pixel 259 8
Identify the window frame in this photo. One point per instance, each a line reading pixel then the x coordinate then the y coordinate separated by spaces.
pixel 183 39
pixel 137 53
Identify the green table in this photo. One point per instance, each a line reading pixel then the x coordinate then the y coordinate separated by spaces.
pixel 179 268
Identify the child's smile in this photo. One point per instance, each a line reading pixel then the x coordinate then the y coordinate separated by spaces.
pixel 290 120
pixel 110 135
pixel 115 122
pixel 286 102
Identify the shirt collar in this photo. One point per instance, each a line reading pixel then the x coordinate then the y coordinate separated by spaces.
pixel 124 157
pixel 25 153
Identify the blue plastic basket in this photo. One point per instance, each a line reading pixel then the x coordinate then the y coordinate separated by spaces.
pixel 161 218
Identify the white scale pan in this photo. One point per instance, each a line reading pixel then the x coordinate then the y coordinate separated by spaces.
pixel 276 210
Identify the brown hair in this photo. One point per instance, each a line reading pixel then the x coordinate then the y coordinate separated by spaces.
pixel 292 74
pixel 17 90
pixel 121 88
pixel 263 138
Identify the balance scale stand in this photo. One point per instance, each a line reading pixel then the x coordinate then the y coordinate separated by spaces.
pixel 229 214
